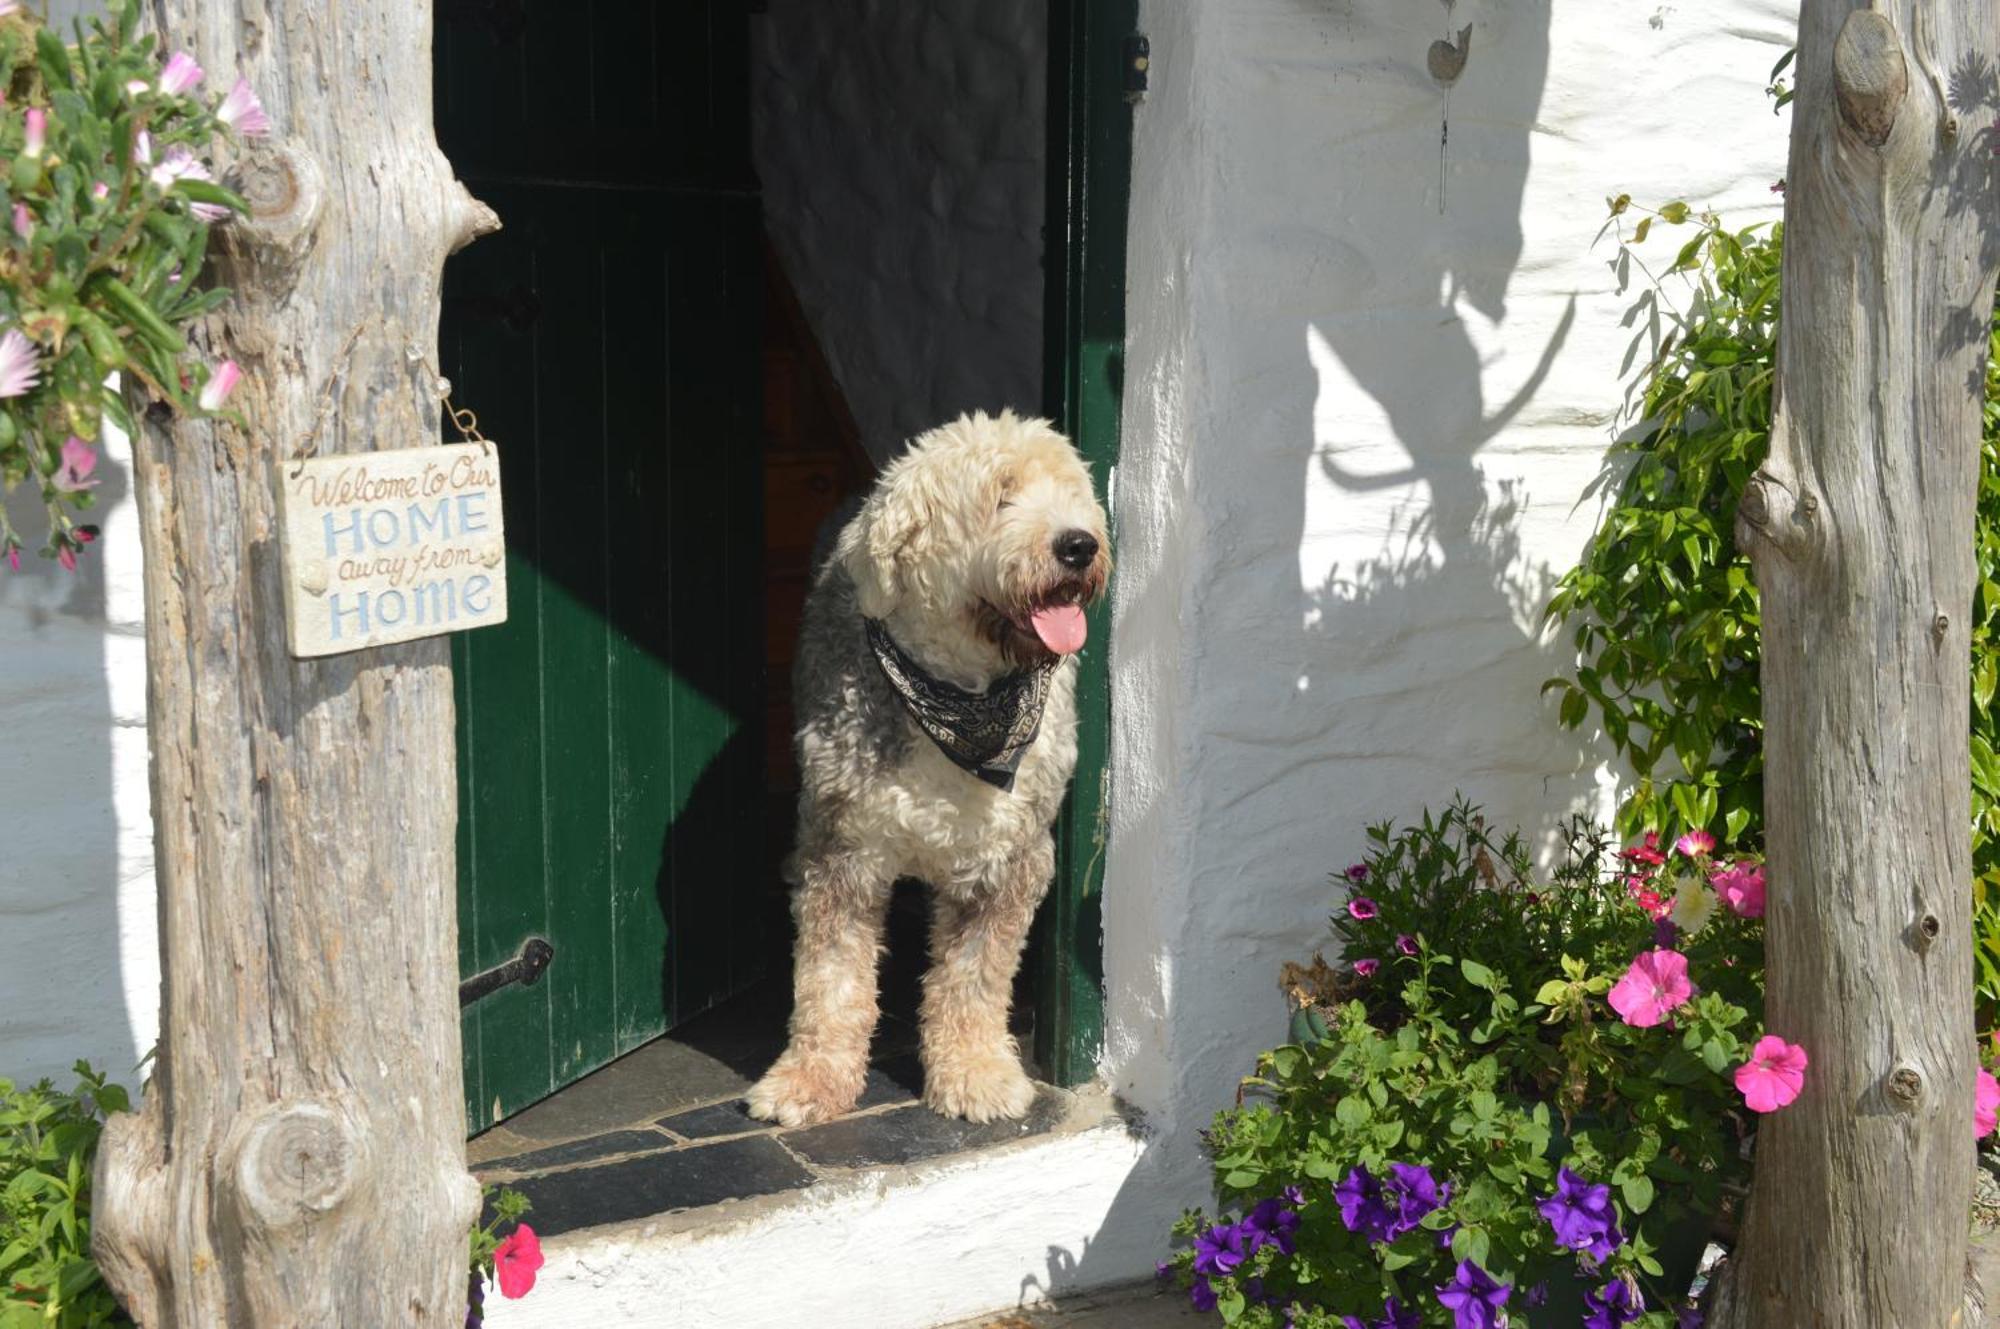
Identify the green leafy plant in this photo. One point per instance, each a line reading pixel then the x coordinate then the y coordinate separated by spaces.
pixel 1663 606
pixel 48 1142
pixel 48 1278
pixel 108 197
pixel 1512 1094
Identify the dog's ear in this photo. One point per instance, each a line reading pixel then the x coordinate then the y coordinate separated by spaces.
pixel 883 548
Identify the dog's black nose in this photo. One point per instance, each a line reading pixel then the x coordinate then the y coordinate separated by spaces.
pixel 1075 549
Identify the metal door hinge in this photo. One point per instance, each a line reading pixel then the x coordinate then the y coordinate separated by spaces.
pixel 526 969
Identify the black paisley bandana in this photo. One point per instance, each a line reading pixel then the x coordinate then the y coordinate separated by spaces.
pixel 986 733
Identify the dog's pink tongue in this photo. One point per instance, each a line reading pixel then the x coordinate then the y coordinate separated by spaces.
pixel 1061 628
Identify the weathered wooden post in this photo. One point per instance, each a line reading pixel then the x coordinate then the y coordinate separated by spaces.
pixel 1861 529
pixel 300 1159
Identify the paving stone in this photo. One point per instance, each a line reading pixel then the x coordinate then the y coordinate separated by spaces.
pixel 661 1076
pixel 906 1135
pixel 580 1151
pixel 714 1121
pixel 634 1188
pixel 900 1080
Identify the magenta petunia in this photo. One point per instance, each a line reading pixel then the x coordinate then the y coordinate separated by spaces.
pixel 38 131
pixel 1362 908
pixel 1406 943
pixel 1366 968
pixel 1695 844
pixel 1655 985
pixel 1985 1104
pixel 1773 1076
pixel 1741 887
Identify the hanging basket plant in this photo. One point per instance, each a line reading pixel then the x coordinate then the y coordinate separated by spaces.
pixel 108 198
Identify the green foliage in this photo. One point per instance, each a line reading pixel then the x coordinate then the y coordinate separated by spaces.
pixel 48 1142
pixel 1470 1034
pixel 48 1147
pixel 100 257
pixel 1664 606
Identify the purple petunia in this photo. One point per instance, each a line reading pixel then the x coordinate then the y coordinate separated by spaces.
pixel 1395 1315
pixel 1359 1196
pixel 1219 1250
pixel 1383 1209
pixel 1202 1295
pixel 1414 1192
pixel 1473 1298
pixel 1362 908
pixel 1358 872
pixel 1366 968
pixel 1582 1216
pixel 1612 1306
pixel 1406 944
pixel 1269 1224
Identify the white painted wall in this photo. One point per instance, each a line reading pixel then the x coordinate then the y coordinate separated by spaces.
pixel 79 958
pixel 901 152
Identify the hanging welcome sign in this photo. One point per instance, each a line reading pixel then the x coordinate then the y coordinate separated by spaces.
pixel 381 547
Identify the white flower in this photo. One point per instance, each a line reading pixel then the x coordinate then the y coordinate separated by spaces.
pixel 1694 905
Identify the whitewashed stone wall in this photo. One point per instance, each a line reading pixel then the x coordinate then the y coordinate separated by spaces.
pixel 900 144
pixel 1368 384
pixel 79 957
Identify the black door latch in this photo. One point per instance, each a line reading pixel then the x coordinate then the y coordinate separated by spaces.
pixel 526 969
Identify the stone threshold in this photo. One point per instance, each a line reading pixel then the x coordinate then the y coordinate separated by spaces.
pixel 664 1131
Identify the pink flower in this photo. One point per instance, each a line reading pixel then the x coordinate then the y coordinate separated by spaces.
pixel 67 557
pixel 1362 908
pixel 137 86
pixel 1406 943
pixel 241 111
pixel 1985 1104
pixel 1773 1076
pixel 1741 886
pixel 220 385
pixel 142 148
pixel 14 557
pixel 38 131
pixel 24 221
pixel 515 1261
pixel 180 74
pixel 1694 844
pixel 20 367
pixel 1367 968
pixel 1656 983
pixel 79 459
pixel 100 191
pixel 1648 853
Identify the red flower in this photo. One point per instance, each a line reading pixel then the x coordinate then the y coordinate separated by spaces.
pixel 515 1261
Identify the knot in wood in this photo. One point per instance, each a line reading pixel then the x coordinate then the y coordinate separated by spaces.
pixel 282 183
pixel 1905 1087
pixel 1870 76
pixel 294 1161
pixel 1924 933
pixel 1755 505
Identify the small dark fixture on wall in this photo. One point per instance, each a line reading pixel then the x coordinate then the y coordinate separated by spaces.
pixel 526 969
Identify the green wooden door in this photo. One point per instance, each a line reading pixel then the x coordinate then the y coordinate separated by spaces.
pixel 609 755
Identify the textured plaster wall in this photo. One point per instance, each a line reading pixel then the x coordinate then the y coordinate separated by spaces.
pixel 900 147
pixel 1367 387
pixel 79 960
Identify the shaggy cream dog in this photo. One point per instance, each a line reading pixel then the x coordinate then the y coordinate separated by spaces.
pixel 935 687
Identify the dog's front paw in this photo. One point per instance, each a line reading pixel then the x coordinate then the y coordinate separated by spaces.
pixel 979 1088
pixel 801 1090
